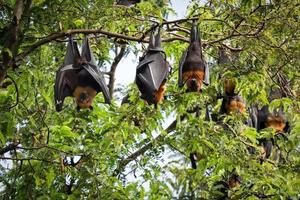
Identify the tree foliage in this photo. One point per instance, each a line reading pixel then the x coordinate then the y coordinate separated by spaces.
pixel 126 151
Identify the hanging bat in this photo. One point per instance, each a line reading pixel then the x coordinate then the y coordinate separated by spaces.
pixel 232 101
pixel 152 71
pixel 193 70
pixel 79 77
pixel 231 104
pixel 128 2
pixel 224 186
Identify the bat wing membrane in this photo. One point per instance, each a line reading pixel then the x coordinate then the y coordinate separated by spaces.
pixel 64 85
pixel 98 77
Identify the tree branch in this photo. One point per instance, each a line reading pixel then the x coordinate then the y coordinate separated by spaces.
pixel 113 68
pixel 13 36
pixel 122 163
pixel 8 148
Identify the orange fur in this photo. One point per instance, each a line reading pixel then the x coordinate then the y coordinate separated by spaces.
pixel 235 106
pixel 189 75
pixel 159 95
pixel 275 122
pixel 232 183
pixel 89 91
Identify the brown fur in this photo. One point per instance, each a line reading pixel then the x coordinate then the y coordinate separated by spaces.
pixel 233 181
pixel 159 95
pixel 235 106
pixel 229 86
pixel 89 91
pixel 189 75
pixel 275 122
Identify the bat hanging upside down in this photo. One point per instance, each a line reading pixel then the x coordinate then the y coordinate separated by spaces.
pixel 152 71
pixel 192 68
pixel 79 77
pixel 232 102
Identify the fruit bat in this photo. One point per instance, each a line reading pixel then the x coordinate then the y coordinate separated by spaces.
pixel 232 101
pixel 193 70
pixel 224 186
pixel 152 71
pixel 79 77
pixel 128 2
pixel 275 120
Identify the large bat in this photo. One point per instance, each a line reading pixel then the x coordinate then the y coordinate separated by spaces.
pixel 263 118
pixel 152 71
pixel 79 77
pixel 193 70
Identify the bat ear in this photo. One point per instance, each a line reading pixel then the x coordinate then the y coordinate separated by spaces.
pixel 87 52
pixel 72 52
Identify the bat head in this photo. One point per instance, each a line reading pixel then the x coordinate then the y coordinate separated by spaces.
pixel 193 80
pixel 84 96
pixel 193 85
pixel 229 86
pixel 234 180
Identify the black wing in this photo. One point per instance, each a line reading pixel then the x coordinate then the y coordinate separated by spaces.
pixel 93 70
pixel 153 68
pixel 72 54
pixel 98 77
pixel 127 2
pixel 65 83
pixel 66 77
pixel 151 72
pixel 87 53
pixel 182 60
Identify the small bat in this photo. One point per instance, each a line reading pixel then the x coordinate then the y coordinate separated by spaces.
pixel 128 2
pixel 79 77
pixel 223 186
pixel 152 71
pixel 194 157
pixel 193 70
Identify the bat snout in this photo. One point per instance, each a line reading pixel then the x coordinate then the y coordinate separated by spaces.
pixel 84 97
pixel 193 85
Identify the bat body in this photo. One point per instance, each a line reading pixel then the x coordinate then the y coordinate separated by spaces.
pixel 79 77
pixel 232 102
pixel 263 118
pixel 275 120
pixel 152 71
pixel 128 2
pixel 192 68
pixel 224 186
